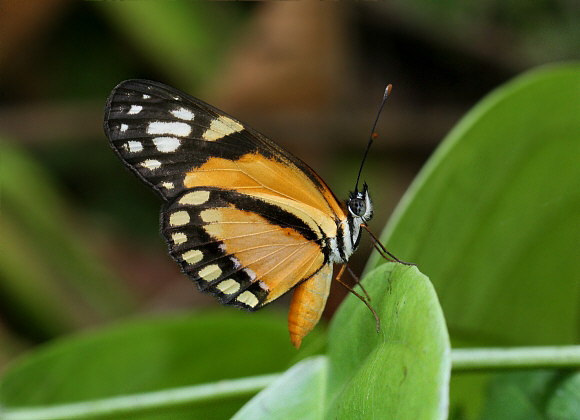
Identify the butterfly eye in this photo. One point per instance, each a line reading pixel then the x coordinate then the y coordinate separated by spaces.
pixel 357 207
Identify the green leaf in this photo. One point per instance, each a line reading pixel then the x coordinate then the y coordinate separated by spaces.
pixel 151 355
pixel 565 400
pixel 494 217
pixel 534 395
pixel 402 372
pixel 297 394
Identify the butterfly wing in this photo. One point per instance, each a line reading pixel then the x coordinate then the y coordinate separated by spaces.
pixel 243 217
pixel 242 250
pixel 174 142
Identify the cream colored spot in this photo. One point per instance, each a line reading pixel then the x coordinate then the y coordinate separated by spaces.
pixel 179 218
pixel 228 287
pixel 166 144
pixel 151 164
pixel 194 198
pixel 124 128
pixel 168 185
pixel 210 272
pixel 175 128
pixel 178 238
pixel 192 256
pixel 183 114
pixel 145 96
pixel 221 127
pixel 211 216
pixel 135 109
pixel 248 298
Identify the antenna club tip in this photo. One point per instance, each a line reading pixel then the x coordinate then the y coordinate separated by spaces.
pixel 388 90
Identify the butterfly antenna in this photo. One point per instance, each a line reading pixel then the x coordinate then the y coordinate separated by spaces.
pixel 373 134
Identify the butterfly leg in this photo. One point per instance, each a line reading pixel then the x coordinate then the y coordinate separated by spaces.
pixel 381 248
pixel 357 281
pixel 344 267
pixel 308 303
pixel 378 322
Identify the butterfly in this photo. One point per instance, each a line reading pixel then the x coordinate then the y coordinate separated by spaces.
pixel 244 218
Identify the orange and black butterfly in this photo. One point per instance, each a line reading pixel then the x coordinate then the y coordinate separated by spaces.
pixel 244 218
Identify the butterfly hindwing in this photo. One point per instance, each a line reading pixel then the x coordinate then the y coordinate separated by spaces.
pixel 238 248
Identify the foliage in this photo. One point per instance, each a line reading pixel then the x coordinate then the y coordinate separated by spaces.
pixel 493 219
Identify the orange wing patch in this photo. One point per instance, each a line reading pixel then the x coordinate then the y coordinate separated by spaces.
pixel 279 257
pixel 256 174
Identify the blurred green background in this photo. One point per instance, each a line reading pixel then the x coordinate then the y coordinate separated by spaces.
pixel 79 243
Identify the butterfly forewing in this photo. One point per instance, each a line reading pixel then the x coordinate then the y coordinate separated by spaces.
pixel 162 134
pixel 174 142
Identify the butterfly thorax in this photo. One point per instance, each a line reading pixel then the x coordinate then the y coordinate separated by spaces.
pixel 359 211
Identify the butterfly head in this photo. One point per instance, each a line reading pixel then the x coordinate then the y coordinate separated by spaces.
pixel 360 206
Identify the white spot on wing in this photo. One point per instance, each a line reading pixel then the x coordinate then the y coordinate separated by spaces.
pixel 183 114
pixel 221 127
pixel 123 128
pixel 248 298
pixel 178 238
pixel 134 146
pixel 250 274
pixel 210 272
pixel 166 144
pixel 145 96
pixel 135 109
pixel 194 198
pixel 168 185
pixel 192 256
pixel 236 262
pixel 228 287
pixel 172 127
pixel 151 164
pixel 179 218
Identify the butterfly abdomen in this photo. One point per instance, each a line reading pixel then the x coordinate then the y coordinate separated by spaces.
pixel 307 304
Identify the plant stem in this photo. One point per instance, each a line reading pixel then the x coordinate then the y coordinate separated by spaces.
pixel 463 360
pixel 142 402
pixel 493 359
